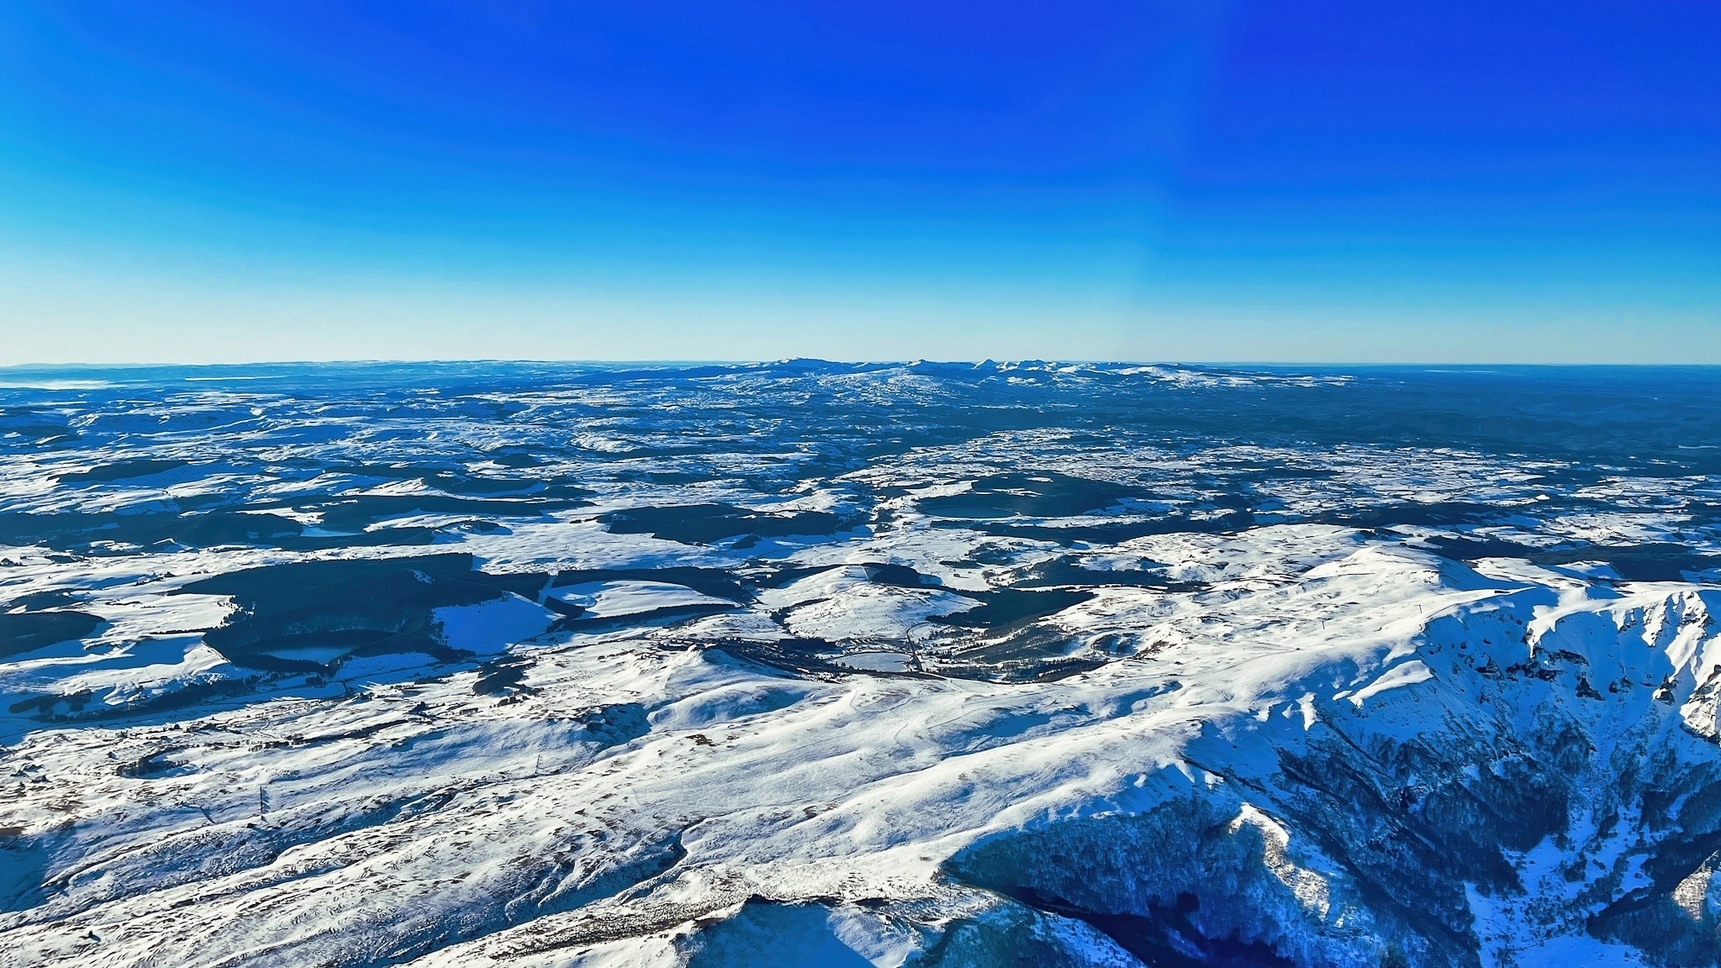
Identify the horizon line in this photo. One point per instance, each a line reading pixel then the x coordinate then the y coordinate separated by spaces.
pixel 738 362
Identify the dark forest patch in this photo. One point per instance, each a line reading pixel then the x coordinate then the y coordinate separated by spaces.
pixel 879 573
pixel 22 632
pixel 354 607
pixel 1011 606
pixel 710 523
pixel 715 582
pixel 1654 561
pixel 122 470
pixel 1063 571
pixel 1031 494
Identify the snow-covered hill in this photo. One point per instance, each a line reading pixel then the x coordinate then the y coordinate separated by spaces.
pixel 819 665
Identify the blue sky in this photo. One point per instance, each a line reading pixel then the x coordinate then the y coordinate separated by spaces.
pixel 1318 181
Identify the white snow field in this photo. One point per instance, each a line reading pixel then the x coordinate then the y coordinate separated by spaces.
pixel 813 665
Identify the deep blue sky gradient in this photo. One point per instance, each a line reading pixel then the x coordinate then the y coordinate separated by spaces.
pixel 1342 181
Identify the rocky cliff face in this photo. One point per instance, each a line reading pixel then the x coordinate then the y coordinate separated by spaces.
pixel 1523 772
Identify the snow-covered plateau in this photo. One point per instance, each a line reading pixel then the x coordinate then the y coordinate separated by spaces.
pixel 810 664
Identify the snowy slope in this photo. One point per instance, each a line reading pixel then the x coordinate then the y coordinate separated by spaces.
pixel 986 693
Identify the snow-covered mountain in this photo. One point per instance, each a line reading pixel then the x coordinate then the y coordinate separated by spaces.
pixel 812 664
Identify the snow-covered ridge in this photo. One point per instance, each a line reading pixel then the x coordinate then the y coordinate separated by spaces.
pixel 695 668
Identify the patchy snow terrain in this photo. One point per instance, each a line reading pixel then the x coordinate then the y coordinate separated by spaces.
pixel 811 664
